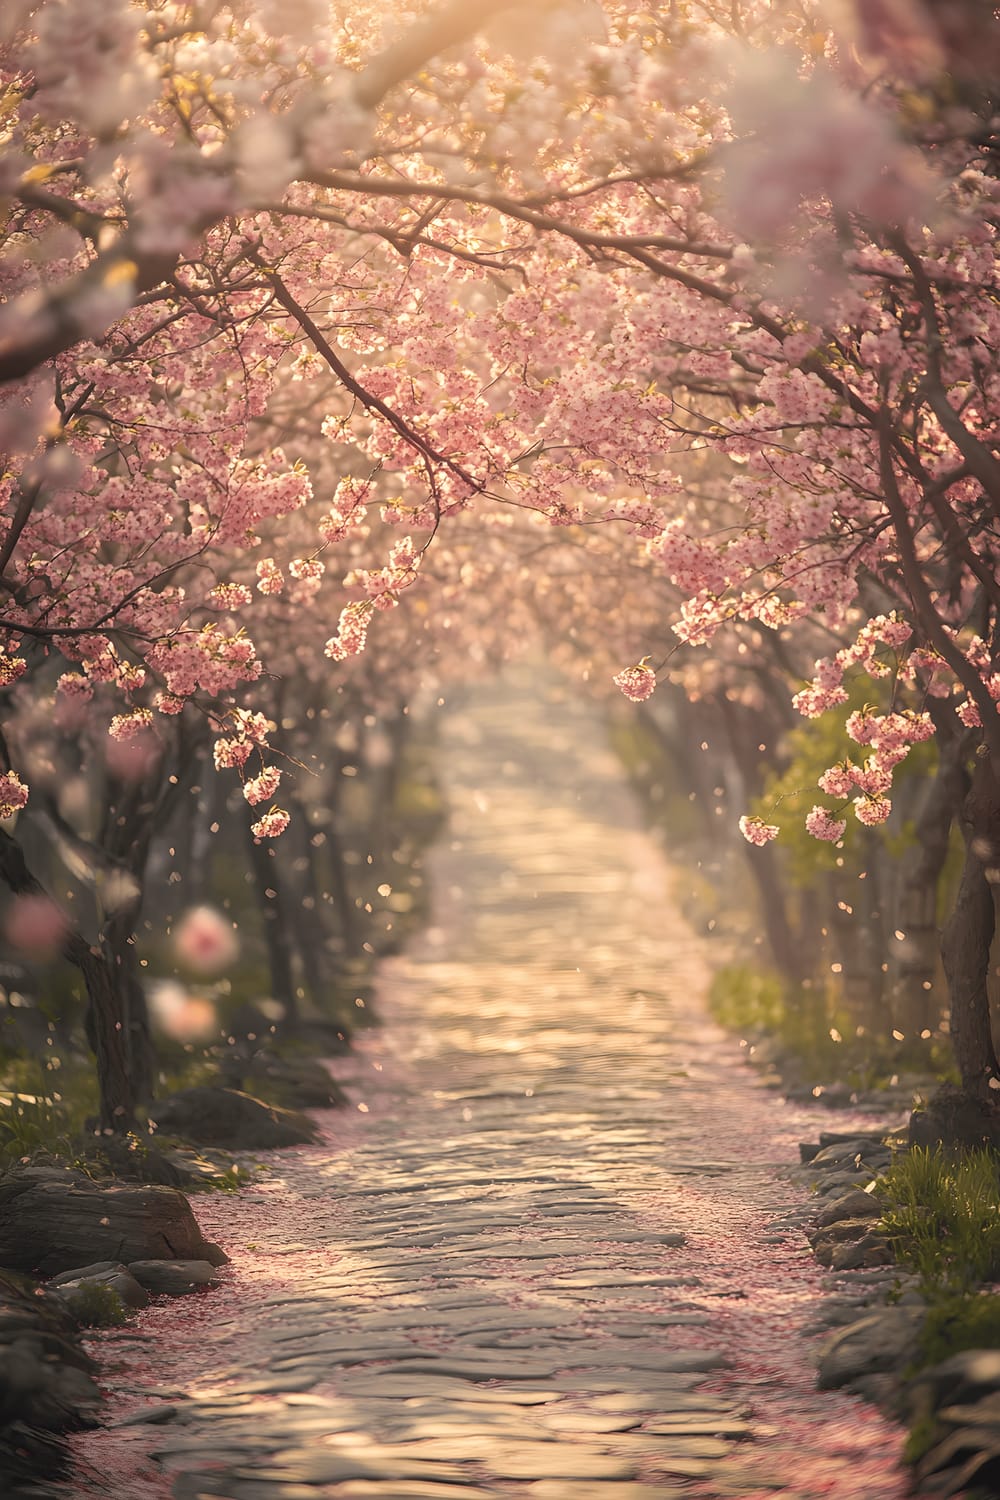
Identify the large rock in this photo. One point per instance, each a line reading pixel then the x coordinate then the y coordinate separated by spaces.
pixel 827 1241
pixel 854 1204
pixel 45 1384
pixel 294 1083
pixel 172 1278
pixel 858 1255
pixel 108 1273
pixel 953 1119
pixel 852 1155
pixel 227 1117
pixel 53 1221
pixel 882 1343
pixel 968 1376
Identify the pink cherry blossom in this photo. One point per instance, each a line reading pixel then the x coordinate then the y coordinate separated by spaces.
pixel 637 683
pixel 271 825
pixel 838 781
pixel 13 794
pixel 823 825
pixel 756 831
pixel 872 810
pixel 270 579
pixel 263 786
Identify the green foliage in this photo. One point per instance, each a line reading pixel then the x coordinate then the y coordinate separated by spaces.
pixel 95 1305
pixel 229 1180
pixel 958 1322
pixel 817 1042
pixel 29 1125
pixel 811 748
pixel 744 997
pixel 921 1438
pixel 942 1214
pixel 43 1109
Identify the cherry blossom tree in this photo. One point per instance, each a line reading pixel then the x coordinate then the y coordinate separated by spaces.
pixel 542 259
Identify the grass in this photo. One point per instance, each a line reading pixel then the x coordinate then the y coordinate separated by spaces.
pixel 43 1108
pixel 942 1215
pixel 94 1305
pixel 817 1042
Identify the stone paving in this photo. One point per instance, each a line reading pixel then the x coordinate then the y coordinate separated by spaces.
pixel 553 1250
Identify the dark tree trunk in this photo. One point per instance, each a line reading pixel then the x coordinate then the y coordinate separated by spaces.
pixel 118 949
pixel 915 1006
pixel 107 1026
pixel 305 910
pixel 277 938
pixel 968 935
pixel 107 1017
pixel 861 940
pixel 786 945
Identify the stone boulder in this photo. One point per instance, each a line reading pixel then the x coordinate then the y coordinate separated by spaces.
pixel 857 1255
pixel 833 1237
pixel 854 1204
pixel 851 1155
pixel 172 1278
pixel 969 1376
pixel 882 1343
pixel 295 1083
pixel 112 1274
pixel 54 1220
pixel 226 1117
pixel 46 1384
pixel 959 1400
pixel 836 1184
pixel 953 1120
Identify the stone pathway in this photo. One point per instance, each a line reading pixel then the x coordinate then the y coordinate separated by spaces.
pixel 553 1251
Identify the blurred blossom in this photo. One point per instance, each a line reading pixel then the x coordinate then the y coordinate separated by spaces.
pixel 35 926
pixel 806 138
pixel 266 155
pixel 29 409
pixel 378 749
pixel 204 940
pixel 181 1015
pixel 74 799
pixel 559 33
pixel 919 38
pixel 118 889
pixel 132 758
pixel 13 794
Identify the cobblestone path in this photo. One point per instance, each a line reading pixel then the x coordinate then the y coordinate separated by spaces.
pixel 552 1252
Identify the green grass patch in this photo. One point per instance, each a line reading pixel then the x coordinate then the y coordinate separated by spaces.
pixel 816 1041
pixel 95 1305
pixel 942 1215
pixel 959 1322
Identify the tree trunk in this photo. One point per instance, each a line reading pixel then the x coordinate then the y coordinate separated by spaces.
pixel 858 943
pixel 305 910
pixel 915 1006
pixel 276 928
pixel 968 935
pixel 118 948
pixel 108 1035
pixel 107 1017
pixel 786 945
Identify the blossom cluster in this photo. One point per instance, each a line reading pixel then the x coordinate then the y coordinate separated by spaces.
pixel 637 683
pixel 13 794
